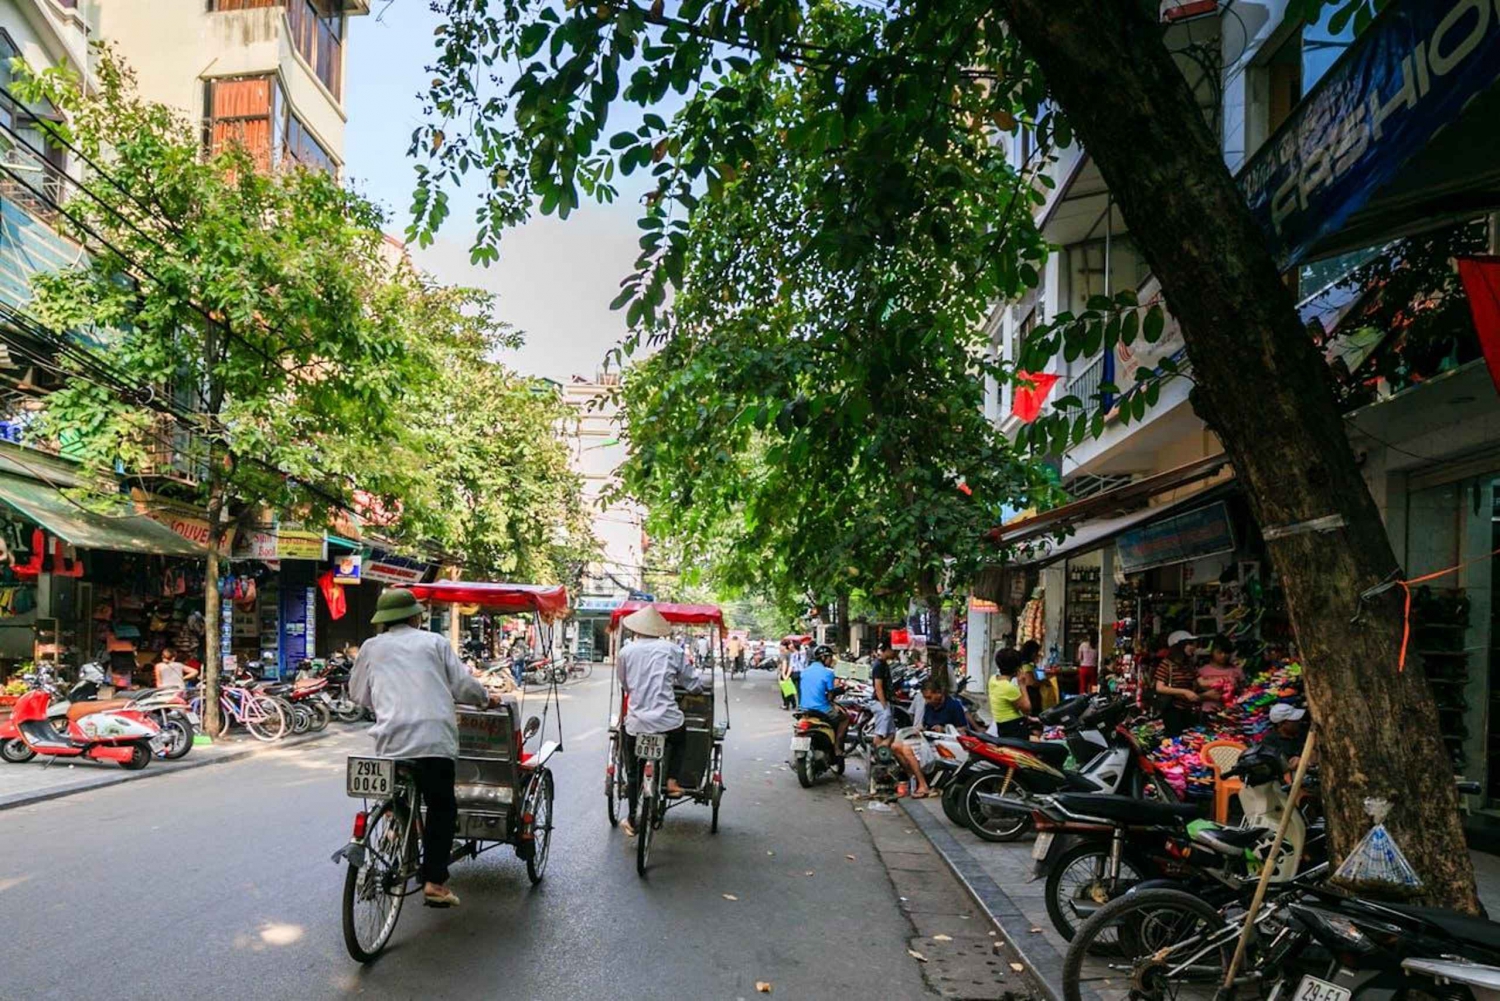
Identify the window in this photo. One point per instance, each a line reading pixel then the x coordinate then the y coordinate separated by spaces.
pixel 254 112
pixel 22 140
pixel 318 35
pixel 1300 62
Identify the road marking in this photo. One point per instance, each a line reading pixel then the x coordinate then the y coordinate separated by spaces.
pixel 585 735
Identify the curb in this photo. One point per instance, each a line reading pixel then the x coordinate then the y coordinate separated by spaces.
pixel 20 799
pixel 1043 964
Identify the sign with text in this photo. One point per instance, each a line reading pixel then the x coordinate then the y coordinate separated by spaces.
pixel 1177 539
pixel 389 568
pixel 346 569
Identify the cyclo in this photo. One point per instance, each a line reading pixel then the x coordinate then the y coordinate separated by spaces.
pixel 504 792
pixel 702 777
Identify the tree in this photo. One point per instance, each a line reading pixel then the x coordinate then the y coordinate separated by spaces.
pixel 880 96
pixel 496 489
pixel 250 307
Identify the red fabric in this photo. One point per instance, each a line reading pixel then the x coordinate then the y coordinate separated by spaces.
pixel 550 601
pixel 683 615
pixel 1026 402
pixel 1481 278
pixel 334 595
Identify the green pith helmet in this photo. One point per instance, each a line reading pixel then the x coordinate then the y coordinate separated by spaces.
pixel 395 604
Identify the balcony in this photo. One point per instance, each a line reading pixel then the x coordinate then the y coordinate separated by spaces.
pixel 315 31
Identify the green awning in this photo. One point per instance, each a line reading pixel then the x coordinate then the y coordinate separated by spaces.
pixel 122 532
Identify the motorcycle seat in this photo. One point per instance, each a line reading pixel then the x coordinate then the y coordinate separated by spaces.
pixel 1231 840
pixel 1053 753
pixel 1125 809
pixel 1461 926
pixel 78 710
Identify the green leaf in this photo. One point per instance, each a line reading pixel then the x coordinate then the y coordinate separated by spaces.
pixel 1152 327
pixel 531 39
pixel 1130 325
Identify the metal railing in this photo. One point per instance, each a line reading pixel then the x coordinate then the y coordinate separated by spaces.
pixel 24 169
pixel 1085 385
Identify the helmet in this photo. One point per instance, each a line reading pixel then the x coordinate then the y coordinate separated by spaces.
pixel 824 655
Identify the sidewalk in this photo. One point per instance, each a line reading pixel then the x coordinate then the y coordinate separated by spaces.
pixel 35 781
pixel 1000 877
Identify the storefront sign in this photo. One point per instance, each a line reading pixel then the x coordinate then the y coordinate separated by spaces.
pixel 187 521
pixel 388 568
pixel 300 544
pixel 346 569
pixel 1177 539
pixel 1408 76
pixel 299 619
pixel 594 603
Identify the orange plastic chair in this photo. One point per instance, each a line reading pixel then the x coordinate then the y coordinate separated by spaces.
pixel 1221 755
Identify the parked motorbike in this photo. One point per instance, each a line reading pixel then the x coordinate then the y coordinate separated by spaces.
pixel 167 707
pixel 129 738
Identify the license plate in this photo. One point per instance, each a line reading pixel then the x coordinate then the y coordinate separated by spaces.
pixel 1313 989
pixel 193 719
pixel 801 743
pixel 371 778
pixel 650 746
pixel 1042 846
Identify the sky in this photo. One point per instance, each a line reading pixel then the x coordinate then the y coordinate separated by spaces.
pixel 555 279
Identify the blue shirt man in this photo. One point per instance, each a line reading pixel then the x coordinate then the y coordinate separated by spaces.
pixel 817 687
pixel 941 709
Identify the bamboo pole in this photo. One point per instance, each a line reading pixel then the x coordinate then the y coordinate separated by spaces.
pixel 1270 865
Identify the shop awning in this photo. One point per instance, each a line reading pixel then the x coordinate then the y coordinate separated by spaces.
pixel 1101 531
pixel 1108 503
pixel 123 532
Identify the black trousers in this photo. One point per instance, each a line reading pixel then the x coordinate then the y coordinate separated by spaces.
pixel 676 749
pixel 1017 729
pixel 434 778
pixel 1176 719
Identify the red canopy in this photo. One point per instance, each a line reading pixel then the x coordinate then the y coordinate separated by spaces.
pixel 550 601
pixel 685 615
pixel 805 638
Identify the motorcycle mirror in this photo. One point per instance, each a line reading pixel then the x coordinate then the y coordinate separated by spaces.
pixel 532 726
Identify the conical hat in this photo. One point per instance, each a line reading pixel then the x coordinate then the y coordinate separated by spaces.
pixel 648 622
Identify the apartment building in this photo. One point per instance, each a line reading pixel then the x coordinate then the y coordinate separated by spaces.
pixel 597 452
pixel 269 73
pixel 1343 146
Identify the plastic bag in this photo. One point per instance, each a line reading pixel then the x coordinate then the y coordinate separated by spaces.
pixel 1376 864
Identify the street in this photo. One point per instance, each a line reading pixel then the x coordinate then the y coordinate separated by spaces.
pixel 217 883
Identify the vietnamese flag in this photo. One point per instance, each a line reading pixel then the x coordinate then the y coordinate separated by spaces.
pixel 1481 278
pixel 1026 401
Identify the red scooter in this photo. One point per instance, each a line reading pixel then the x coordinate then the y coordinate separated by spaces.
pixel 123 736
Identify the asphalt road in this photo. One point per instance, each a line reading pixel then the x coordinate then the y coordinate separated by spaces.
pixel 217 883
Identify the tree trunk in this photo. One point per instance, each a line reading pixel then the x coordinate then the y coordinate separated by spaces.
pixel 1265 390
pixel 937 656
pixel 842 632
pixel 212 606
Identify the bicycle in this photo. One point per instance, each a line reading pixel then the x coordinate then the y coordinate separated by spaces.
pixel 263 717
pixel 578 670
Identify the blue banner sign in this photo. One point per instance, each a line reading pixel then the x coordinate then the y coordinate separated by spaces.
pixel 1406 78
pixel 1176 539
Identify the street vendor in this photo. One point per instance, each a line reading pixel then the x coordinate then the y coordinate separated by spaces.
pixel 1221 678
pixel 1176 683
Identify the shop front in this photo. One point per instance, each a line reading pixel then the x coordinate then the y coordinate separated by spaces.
pixel 588 629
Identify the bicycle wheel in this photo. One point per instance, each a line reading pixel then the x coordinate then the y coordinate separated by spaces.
pixel 1081 876
pixel 375 890
pixel 1164 944
pixel 645 824
pixel 540 807
pixel 265 719
pixel 614 783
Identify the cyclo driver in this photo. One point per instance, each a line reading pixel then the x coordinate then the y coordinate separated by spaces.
pixel 412 680
pixel 648 669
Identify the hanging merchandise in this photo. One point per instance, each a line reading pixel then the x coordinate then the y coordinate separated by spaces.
pixel 1033 624
pixel 333 594
pixel 1376 866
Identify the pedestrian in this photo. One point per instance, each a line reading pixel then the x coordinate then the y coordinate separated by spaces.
pixel 784 677
pixel 412 680
pixel 649 669
pixel 1176 683
pixel 1031 674
pixel 798 661
pixel 1009 704
pixel 171 672
pixel 883 723
pixel 1088 666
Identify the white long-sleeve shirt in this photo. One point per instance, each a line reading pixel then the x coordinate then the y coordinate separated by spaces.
pixel 412 679
pixel 648 668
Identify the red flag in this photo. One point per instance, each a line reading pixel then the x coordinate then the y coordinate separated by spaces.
pixel 1481 278
pixel 1026 401
pixel 333 594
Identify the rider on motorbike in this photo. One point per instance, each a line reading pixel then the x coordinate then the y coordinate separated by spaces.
pixel 819 686
pixel 412 679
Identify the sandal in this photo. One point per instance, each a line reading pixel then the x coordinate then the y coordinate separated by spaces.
pixel 447 898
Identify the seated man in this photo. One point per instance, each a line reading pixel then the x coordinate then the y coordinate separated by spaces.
pixel 648 669
pixel 940 709
pixel 819 686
